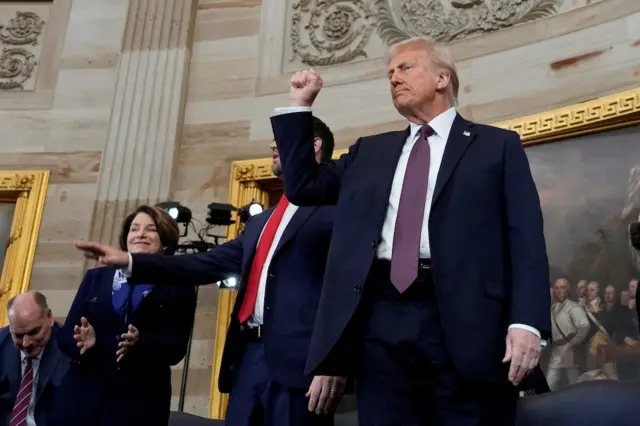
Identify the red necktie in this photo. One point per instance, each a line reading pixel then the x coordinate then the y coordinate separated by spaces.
pixel 269 232
pixel 21 407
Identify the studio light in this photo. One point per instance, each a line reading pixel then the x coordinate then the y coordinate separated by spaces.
pixel 251 209
pixel 230 283
pixel 220 214
pixel 178 212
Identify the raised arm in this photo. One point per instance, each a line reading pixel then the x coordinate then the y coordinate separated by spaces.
pixel 305 181
pixel 188 270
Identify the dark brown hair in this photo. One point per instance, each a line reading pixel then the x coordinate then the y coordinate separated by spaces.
pixel 167 228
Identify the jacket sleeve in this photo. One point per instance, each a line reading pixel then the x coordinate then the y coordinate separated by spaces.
pixel 170 345
pixel 530 303
pixel 190 269
pixel 64 336
pixel 307 183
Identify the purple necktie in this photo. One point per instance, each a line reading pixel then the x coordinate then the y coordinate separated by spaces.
pixel 406 237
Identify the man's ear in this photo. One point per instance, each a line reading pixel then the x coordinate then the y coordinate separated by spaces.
pixel 317 145
pixel 443 80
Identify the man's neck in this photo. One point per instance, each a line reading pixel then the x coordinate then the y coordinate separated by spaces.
pixel 426 115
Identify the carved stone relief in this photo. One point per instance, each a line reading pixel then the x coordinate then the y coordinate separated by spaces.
pixel 18 58
pixel 329 32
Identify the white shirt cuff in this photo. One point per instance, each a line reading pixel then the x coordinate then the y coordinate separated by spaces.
pixel 127 271
pixel 289 110
pixel 530 329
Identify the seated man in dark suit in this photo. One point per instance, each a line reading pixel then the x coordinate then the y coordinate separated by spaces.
pixel 31 366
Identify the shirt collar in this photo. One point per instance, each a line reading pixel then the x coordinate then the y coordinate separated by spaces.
pixel 38 358
pixel 441 124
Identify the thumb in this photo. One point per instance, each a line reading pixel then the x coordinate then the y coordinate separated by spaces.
pixel 308 394
pixel 507 352
pixel 84 322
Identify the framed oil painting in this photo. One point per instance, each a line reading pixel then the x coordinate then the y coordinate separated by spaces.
pixel 589 188
pixel 22 197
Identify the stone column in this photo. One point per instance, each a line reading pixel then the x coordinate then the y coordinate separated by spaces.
pixel 147 112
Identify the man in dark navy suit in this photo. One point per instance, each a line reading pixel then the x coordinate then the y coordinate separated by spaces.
pixel 437 280
pixel 280 257
pixel 31 365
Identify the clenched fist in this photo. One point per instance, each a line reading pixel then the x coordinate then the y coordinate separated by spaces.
pixel 305 86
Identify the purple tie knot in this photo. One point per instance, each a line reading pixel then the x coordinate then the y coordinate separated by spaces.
pixel 426 131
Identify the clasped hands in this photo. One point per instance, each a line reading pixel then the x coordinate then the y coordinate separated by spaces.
pixel 85 336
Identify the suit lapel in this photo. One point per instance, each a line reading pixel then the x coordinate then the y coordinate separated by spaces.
pixel 384 168
pixel 461 135
pixel 299 218
pixel 15 370
pixel 251 237
pixel 48 363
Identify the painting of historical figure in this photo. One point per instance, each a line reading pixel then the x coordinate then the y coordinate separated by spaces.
pixel 590 192
pixel 6 219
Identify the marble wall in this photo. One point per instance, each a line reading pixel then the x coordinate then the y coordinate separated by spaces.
pixel 133 101
pixel 93 91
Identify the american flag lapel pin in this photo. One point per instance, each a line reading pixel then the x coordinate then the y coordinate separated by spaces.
pixel 466 133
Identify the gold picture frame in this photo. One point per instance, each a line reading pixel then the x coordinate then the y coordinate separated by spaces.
pixel 28 190
pixel 606 113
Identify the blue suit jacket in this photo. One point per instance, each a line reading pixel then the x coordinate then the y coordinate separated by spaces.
pixel 99 391
pixel 293 288
pixel 53 367
pixel 485 231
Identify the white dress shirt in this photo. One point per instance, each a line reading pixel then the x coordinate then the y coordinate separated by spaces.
pixel 35 366
pixel 441 126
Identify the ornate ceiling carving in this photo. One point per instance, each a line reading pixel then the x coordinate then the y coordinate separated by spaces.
pixel 329 32
pixel 17 60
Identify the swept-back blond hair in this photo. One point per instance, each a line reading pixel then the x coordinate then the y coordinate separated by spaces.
pixel 440 57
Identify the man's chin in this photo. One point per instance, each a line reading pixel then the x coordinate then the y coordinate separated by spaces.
pixel 277 171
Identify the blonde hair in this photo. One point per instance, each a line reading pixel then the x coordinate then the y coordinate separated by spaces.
pixel 439 56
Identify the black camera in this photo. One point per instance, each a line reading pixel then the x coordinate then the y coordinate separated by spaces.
pixel 634 235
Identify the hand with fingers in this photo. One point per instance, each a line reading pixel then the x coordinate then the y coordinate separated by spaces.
pixel 305 86
pixel 84 335
pixel 325 393
pixel 523 352
pixel 128 341
pixel 104 254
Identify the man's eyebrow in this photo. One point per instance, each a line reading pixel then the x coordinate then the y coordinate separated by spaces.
pixel 26 332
